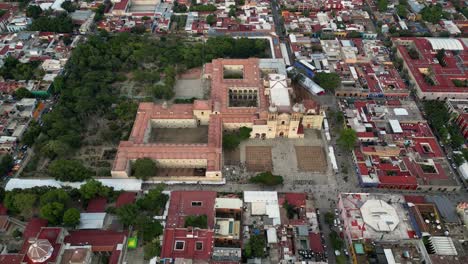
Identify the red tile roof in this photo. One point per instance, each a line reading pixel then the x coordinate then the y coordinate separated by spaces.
pixel 97 205
pixel 11 258
pixel 296 199
pixel 33 227
pixel 115 256
pixel 443 75
pixel 3 210
pixel 125 198
pixel 100 240
pixel 122 5
pixel 416 199
pixel 190 239
pixel 315 242
pixel 180 206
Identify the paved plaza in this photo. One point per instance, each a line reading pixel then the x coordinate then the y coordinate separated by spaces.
pixel 299 160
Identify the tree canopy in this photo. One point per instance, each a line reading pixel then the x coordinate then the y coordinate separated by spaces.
pixel 13 69
pixel 69 6
pixel 402 11
pixel 154 200
pixel 231 140
pixel 149 228
pixel 432 13
pixel 144 168
pixel 382 5
pixel 33 11
pixel 94 188
pixel 71 217
pixel 53 212
pixel 200 221
pixel 128 214
pixel 328 81
pixel 255 246
pixel 6 164
pixel 54 195
pixel 21 203
pixel 267 178
pixel 69 170
pixel 21 93
pixel 347 139
pixel 152 250
pixel 59 24
pixel 211 19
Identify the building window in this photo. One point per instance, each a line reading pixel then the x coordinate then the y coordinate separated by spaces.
pixel 202 113
pixel 282 122
pixel 199 246
pixel 196 204
pixel 179 245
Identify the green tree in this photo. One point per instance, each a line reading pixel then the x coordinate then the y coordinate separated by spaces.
pixel 232 11
pixel 154 200
pixel 148 228
pixel 402 11
pixel 6 164
pixel 255 246
pixel 465 153
pixel 230 141
pixel 128 214
pixel 22 93
pixel 329 218
pixel 33 11
pixel 440 56
pixel 432 13
pixel 413 53
pixel 68 6
pixel 24 203
pixel 347 139
pixel 382 5
pixel 267 178
pixel 244 133
pixel 30 136
pixel 55 148
pixel 200 221
pixel 93 188
pixel 71 217
pixel 458 159
pixel 152 250
pixel 211 19
pixel 69 170
pixel 53 212
pixel 336 241
pixel 59 24
pixel 144 168
pixel 328 81
pixel 178 8
pixel 54 195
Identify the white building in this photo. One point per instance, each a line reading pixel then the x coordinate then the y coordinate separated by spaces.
pixel 19 24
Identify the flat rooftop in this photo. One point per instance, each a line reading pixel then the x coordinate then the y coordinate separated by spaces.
pixel 358 226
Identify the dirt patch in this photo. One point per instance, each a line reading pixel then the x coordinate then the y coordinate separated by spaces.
pixel 232 157
pixel 311 158
pixel 258 159
pixel 179 135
